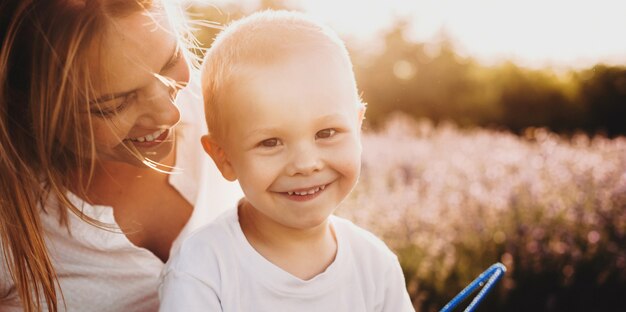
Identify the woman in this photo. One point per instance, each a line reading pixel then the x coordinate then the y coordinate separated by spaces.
pixel 99 169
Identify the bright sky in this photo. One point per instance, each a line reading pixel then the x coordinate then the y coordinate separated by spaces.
pixel 535 33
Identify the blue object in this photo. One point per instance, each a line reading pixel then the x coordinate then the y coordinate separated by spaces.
pixel 488 278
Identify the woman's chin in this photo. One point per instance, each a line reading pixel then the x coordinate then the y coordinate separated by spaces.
pixel 142 156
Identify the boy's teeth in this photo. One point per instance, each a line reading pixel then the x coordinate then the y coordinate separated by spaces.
pixel 309 192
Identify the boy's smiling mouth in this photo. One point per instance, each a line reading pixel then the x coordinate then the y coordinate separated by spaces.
pixel 310 191
pixel 305 194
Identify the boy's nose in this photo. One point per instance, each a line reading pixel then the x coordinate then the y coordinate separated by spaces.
pixel 305 161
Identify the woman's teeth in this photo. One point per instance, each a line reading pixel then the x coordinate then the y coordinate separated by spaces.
pixel 150 137
pixel 309 192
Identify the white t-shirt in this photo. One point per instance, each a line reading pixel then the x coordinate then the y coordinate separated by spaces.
pixel 99 270
pixel 216 269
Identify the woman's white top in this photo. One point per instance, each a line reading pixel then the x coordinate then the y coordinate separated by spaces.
pixel 99 270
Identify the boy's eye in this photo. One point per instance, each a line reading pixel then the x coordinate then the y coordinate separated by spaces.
pixel 270 142
pixel 325 134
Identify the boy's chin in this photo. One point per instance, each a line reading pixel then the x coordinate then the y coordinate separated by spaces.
pixel 310 223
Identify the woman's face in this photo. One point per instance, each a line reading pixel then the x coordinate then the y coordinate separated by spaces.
pixel 139 68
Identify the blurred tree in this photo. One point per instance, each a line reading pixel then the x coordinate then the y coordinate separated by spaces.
pixel 406 77
pixel 535 99
pixel 604 97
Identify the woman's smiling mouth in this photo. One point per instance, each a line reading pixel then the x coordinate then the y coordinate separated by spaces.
pixel 151 139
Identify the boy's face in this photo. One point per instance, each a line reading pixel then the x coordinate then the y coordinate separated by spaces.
pixel 292 139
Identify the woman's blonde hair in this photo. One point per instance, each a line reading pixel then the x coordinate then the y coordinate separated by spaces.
pixel 46 147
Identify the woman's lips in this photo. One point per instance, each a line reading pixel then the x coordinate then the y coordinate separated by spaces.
pixel 147 144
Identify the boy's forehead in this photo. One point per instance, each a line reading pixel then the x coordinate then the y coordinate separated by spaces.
pixel 296 67
pixel 276 92
pixel 314 75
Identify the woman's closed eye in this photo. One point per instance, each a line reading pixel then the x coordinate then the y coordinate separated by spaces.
pixel 325 134
pixel 109 111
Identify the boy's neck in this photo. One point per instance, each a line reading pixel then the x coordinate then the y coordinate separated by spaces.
pixel 304 253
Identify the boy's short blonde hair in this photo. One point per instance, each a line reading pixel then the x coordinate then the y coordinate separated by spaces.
pixel 263 38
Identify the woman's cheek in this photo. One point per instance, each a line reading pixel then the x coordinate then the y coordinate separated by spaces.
pixel 104 134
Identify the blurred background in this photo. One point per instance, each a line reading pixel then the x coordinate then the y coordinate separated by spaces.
pixel 494 132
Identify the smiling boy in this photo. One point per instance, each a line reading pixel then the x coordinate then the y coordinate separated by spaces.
pixel 284 120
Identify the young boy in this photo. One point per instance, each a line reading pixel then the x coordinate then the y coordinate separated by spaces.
pixel 284 120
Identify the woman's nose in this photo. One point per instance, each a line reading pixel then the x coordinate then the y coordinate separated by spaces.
pixel 160 110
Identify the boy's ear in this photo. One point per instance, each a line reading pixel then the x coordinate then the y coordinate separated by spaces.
pixel 217 153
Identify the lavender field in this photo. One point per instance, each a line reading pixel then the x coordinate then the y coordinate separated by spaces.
pixel 451 202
